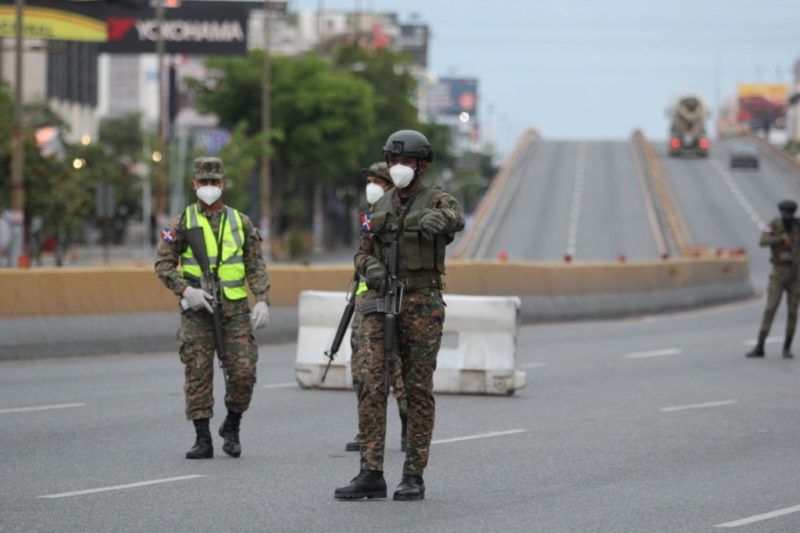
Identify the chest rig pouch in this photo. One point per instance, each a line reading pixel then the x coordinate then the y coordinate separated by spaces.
pixel 421 258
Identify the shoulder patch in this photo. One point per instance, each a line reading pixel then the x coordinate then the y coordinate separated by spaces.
pixel 366 222
pixel 167 235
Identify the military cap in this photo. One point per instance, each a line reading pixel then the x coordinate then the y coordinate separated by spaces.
pixel 788 205
pixel 208 168
pixel 379 170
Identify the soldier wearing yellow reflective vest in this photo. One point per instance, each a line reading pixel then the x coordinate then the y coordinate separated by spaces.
pixel 378 183
pixel 234 248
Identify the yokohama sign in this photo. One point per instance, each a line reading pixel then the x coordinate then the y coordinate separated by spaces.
pixel 207 28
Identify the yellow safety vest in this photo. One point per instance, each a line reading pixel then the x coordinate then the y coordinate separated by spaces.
pixel 231 266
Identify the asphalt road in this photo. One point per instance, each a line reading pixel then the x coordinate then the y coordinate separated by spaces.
pixel 725 207
pixel 654 424
pixel 582 199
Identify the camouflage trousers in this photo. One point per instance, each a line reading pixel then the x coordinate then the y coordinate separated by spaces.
pixel 357 366
pixel 419 334
pixel 780 281
pixel 196 337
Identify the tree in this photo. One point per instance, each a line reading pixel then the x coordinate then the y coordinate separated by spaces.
pixel 321 120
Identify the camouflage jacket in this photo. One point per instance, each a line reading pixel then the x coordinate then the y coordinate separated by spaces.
pixel 169 254
pixel 774 235
pixel 442 201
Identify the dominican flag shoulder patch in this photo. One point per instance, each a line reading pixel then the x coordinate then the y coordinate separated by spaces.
pixel 167 235
pixel 366 222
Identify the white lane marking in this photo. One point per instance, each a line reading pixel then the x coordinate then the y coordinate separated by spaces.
pixel 481 436
pixel 577 201
pixel 696 406
pixel 279 385
pixel 737 192
pixel 768 340
pixel 41 408
pixel 654 353
pixel 119 487
pixel 532 365
pixel 760 517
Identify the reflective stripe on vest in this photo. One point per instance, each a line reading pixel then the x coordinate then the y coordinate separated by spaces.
pixel 231 268
pixel 362 287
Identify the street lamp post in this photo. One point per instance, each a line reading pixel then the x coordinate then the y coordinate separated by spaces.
pixel 17 252
pixel 265 179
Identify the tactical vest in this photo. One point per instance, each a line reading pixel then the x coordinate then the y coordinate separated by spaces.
pixel 231 265
pixel 420 260
pixel 780 253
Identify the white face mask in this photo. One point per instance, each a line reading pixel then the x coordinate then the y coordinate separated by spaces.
pixel 374 193
pixel 401 175
pixel 208 194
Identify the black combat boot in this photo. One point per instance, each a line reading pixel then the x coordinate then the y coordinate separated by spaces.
pixel 410 488
pixel 758 349
pixel 403 432
pixel 367 484
pixel 203 449
pixel 353 445
pixel 787 347
pixel 229 430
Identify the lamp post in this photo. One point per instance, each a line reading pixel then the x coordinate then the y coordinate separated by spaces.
pixel 17 212
pixel 265 178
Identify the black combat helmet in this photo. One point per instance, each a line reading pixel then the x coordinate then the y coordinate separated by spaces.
pixel 408 142
pixel 788 205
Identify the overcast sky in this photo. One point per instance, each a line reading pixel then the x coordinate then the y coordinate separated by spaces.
pixel 594 69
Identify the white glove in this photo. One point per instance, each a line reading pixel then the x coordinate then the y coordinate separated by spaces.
pixel 197 299
pixel 259 316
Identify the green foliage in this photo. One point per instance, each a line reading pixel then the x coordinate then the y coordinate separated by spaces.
pixel 123 135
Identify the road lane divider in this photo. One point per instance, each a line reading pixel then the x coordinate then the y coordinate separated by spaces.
pixel 760 517
pixel 768 340
pixel 41 408
pixel 577 202
pixel 488 435
pixel 477 355
pixel 279 385
pixel 654 353
pixel 120 487
pixel 706 405
pixel 727 178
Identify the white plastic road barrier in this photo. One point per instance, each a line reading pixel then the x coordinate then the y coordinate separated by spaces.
pixel 477 355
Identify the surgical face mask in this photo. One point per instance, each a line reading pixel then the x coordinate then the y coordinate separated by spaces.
pixel 374 193
pixel 208 194
pixel 401 175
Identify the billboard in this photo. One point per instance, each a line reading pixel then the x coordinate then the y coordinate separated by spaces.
pixel 209 27
pixel 762 106
pixel 51 19
pixel 453 96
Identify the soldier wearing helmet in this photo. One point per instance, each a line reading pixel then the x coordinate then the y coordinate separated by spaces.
pixel 420 221
pixel 378 183
pixel 782 235
pixel 234 250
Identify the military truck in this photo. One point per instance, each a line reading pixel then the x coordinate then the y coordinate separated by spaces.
pixel 688 128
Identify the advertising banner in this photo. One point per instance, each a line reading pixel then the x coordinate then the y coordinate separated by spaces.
pixel 453 96
pixel 762 106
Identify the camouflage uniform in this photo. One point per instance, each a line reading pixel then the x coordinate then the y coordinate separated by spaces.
pixel 784 276
pixel 196 334
pixel 419 331
pixel 357 363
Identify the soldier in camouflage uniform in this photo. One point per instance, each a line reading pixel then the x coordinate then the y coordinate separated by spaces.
pixel 241 259
pixel 422 220
pixel 378 183
pixel 782 235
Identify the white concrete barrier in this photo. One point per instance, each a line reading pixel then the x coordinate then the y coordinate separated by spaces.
pixel 477 356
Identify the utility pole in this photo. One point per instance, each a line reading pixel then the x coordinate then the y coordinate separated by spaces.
pixel 161 158
pixel 17 252
pixel 265 179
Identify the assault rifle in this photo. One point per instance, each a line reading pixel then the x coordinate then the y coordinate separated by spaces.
pixel 392 305
pixel 344 321
pixel 209 282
